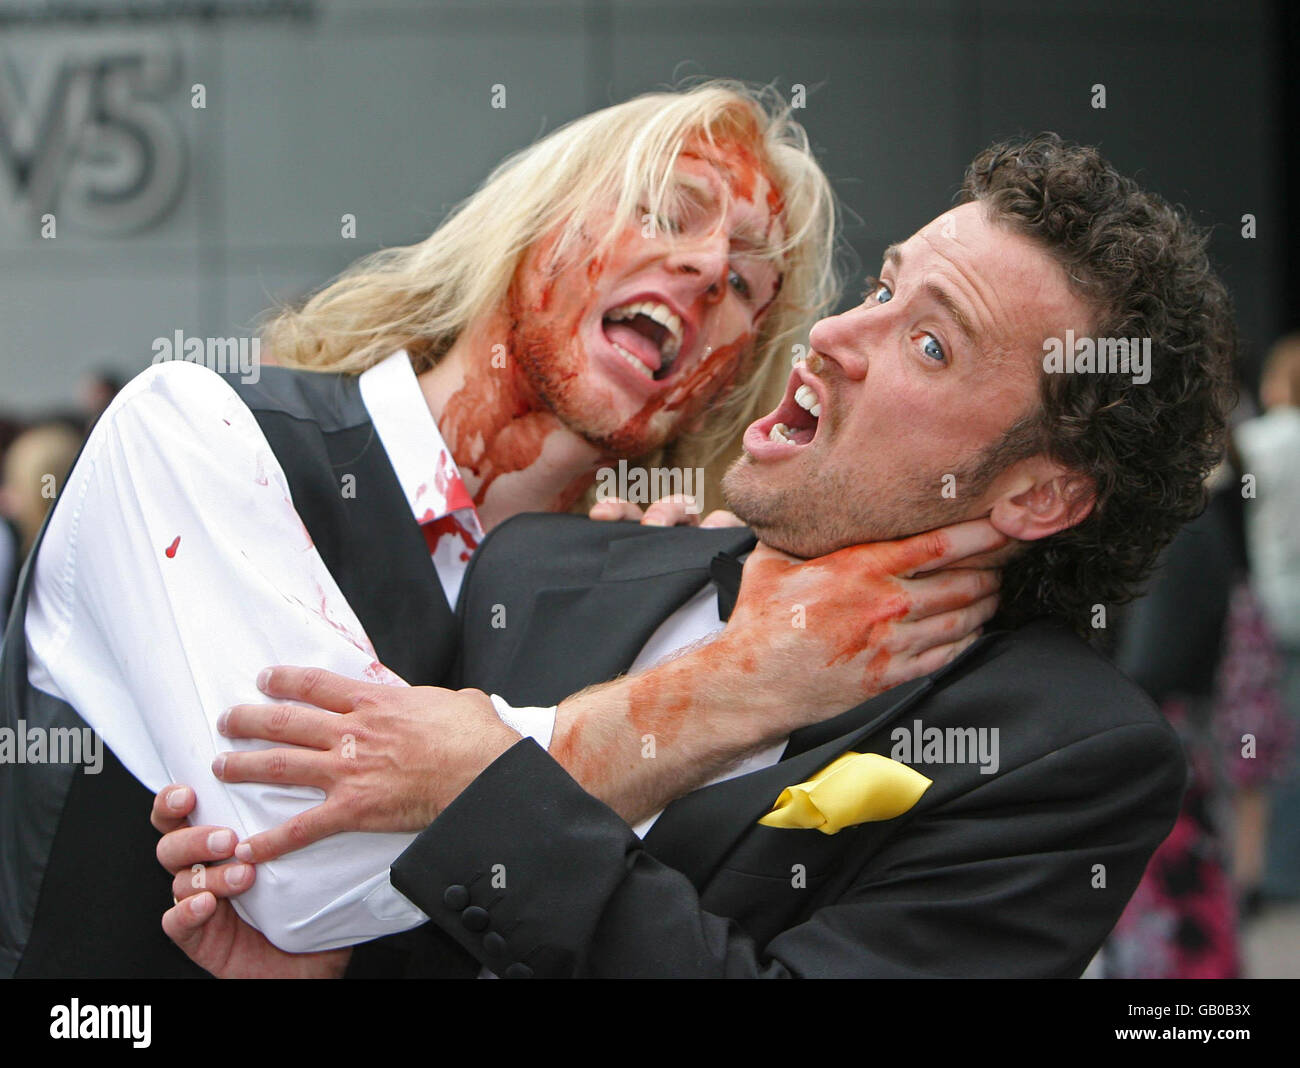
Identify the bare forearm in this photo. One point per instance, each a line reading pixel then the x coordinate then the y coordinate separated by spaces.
pixel 642 741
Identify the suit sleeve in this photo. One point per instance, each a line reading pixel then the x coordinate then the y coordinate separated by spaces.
pixel 1022 876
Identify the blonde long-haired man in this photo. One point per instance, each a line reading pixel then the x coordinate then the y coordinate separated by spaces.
pixel 624 286
pixel 708 202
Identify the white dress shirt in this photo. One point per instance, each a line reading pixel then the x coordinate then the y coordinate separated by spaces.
pixel 696 621
pixel 175 568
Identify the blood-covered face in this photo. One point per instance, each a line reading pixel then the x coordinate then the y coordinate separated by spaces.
pixel 629 348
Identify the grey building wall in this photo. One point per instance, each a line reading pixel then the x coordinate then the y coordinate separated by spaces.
pixel 383 110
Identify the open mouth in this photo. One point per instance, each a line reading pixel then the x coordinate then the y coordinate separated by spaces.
pixel 647 334
pixel 795 421
pixel 797 417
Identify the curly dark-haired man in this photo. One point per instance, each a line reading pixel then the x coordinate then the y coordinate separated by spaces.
pixel 991 819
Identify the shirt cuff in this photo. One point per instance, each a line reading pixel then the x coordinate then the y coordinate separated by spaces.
pixel 532 722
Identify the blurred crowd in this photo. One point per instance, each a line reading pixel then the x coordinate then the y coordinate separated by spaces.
pixel 36 455
pixel 1215 641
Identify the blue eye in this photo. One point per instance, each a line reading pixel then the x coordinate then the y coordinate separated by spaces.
pixel 878 290
pixel 738 283
pixel 933 349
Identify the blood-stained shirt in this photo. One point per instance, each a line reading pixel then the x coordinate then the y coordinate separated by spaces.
pixel 175 569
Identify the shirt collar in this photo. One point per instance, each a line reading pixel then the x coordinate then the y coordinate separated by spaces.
pixel 424 465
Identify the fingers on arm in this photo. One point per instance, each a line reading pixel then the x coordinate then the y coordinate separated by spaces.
pixel 676 510
pixel 295 833
pixel 194 856
pixel 722 518
pixel 613 509
pixel 223 880
pixel 313 686
pixel 291 724
pixel 952 630
pixel 171 805
pixel 943 547
pixel 183 923
pixel 183 848
pixel 948 590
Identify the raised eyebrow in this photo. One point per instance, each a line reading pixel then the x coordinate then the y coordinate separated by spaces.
pixel 936 292
pixel 945 300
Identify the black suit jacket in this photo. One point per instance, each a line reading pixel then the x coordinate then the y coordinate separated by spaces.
pixel 1018 873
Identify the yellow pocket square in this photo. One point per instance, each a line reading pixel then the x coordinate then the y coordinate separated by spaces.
pixel 856 788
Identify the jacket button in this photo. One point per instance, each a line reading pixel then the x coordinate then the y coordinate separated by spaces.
pixel 494 945
pixel 475 918
pixel 455 897
pixel 519 971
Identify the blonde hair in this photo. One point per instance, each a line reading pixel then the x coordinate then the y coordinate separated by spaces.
pixel 421 297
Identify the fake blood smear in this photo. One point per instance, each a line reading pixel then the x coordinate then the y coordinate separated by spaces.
pixel 360 642
pixel 437 529
pixel 739 164
pixel 449 486
pixel 171 549
pixel 495 426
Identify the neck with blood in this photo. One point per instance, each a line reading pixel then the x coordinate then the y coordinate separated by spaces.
pixel 514 453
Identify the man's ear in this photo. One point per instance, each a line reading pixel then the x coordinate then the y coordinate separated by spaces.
pixel 1041 498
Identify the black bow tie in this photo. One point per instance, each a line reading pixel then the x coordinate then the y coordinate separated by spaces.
pixel 725 570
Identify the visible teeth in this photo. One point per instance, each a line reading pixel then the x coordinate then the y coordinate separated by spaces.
pixel 661 314
pixel 633 360
pixel 781 432
pixel 806 398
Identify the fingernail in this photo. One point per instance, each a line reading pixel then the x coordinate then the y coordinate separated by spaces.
pixel 201 905
pixel 220 842
pixel 177 798
pixel 222 720
pixel 219 765
pixel 263 679
pixel 237 874
pixel 244 852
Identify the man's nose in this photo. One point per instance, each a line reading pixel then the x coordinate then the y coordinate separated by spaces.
pixel 705 260
pixel 842 338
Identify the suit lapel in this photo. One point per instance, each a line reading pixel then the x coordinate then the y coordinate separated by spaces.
pixel 580 634
pixel 696 832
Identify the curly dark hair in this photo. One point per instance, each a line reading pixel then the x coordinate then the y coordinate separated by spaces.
pixel 1140 265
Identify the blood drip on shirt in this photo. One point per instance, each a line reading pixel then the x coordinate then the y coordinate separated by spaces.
pixel 448 526
pixel 361 642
